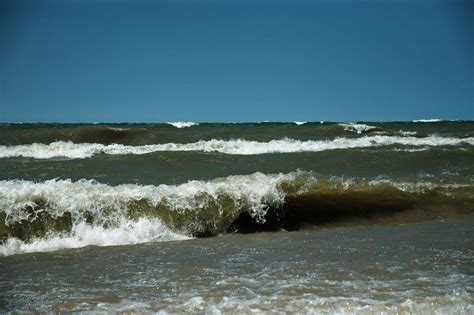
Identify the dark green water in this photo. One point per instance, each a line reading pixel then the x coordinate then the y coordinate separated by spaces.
pixel 365 217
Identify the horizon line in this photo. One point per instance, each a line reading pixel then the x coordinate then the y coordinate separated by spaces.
pixel 419 120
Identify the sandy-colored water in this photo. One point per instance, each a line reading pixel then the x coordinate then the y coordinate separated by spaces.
pixel 420 268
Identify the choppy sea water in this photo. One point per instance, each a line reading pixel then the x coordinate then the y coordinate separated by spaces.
pixel 307 217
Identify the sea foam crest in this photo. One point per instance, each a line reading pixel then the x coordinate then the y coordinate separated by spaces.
pixel 91 213
pixel 92 197
pixel 357 128
pixel 190 207
pixel 82 234
pixel 183 124
pixel 427 120
pixel 407 133
pixel 235 147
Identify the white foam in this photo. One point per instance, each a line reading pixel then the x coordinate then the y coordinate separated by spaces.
pixel 82 234
pixel 427 120
pixel 183 124
pixel 299 123
pixel 357 128
pixel 88 198
pixel 235 147
pixel 421 186
pixel 196 203
pixel 314 304
pixel 407 133
pixel 92 197
pixel 248 300
pixel 122 129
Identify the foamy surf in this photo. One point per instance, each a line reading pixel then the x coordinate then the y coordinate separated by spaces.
pixel 233 147
pixel 56 214
pixel 407 133
pixel 127 232
pixel 357 128
pixel 309 303
pixel 90 213
pixel 183 124
pixel 431 120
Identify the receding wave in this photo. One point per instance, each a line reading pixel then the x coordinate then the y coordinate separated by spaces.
pixel 58 214
pixel 235 147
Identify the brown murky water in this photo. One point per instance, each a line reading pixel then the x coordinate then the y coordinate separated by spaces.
pixel 420 268
pixel 147 218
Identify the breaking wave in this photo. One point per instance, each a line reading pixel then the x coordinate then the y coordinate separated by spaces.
pixel 427 120
pixel 235 147
pixel 57 214
pixel 407 133
pixel 358 128
pixel 183 124
pixel 83 234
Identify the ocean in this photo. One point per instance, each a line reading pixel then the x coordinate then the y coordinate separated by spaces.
pixel 184 217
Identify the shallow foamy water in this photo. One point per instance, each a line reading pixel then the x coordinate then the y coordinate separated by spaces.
pixel 424 267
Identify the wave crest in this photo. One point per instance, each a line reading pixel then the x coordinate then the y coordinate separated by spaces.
pixel 234 147
pixel 183 124
pixel 358 128
pixel 427 120
pixel 63 213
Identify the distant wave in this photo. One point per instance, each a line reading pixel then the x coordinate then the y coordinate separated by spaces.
pixel 235 147
pixel 54 214
pixel 358 128
pixel 407 133
pixel 428 120
pixel 183 124
pixel 299 123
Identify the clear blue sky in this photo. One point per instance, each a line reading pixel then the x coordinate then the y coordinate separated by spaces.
pixel 152 61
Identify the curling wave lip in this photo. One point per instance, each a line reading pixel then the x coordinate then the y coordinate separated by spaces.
pixel 54 214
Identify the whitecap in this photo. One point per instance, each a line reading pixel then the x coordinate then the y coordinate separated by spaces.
pixel 427 120
pixel 183 124
pixel 357 128
pixel 233 147
pixel 84 199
